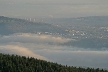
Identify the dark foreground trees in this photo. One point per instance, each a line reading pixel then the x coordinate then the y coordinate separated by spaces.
pixel 15 63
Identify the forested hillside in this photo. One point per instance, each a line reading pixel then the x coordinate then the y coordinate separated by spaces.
pixel 15 63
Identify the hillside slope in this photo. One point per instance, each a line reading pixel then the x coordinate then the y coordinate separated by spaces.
pixel 15 63
pixel 13 25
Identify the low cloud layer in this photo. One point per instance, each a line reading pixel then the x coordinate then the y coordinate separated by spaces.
pixel 32 38
pixel 13 49
pixel 26 44
pixel 94 59
pixel 47 47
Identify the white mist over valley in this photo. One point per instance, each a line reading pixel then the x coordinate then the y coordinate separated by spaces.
pixel 47 47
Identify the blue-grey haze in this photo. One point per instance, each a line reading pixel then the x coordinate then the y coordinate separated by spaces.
pixel 53 8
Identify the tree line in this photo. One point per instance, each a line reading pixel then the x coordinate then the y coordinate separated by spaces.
pixel 16 63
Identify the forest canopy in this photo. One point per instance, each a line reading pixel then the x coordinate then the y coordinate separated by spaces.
pixel 15 63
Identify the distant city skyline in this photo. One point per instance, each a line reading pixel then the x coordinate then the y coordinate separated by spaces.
pixel 53 8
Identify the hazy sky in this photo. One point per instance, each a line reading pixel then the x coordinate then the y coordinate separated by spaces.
pixel 53 8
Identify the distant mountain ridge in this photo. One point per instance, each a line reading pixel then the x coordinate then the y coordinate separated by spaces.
pixel 14 25
pixel 90 20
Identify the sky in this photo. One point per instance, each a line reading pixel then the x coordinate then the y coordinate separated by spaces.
pixel 53 8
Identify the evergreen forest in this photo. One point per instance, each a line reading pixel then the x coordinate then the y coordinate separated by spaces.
pixel 16 63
